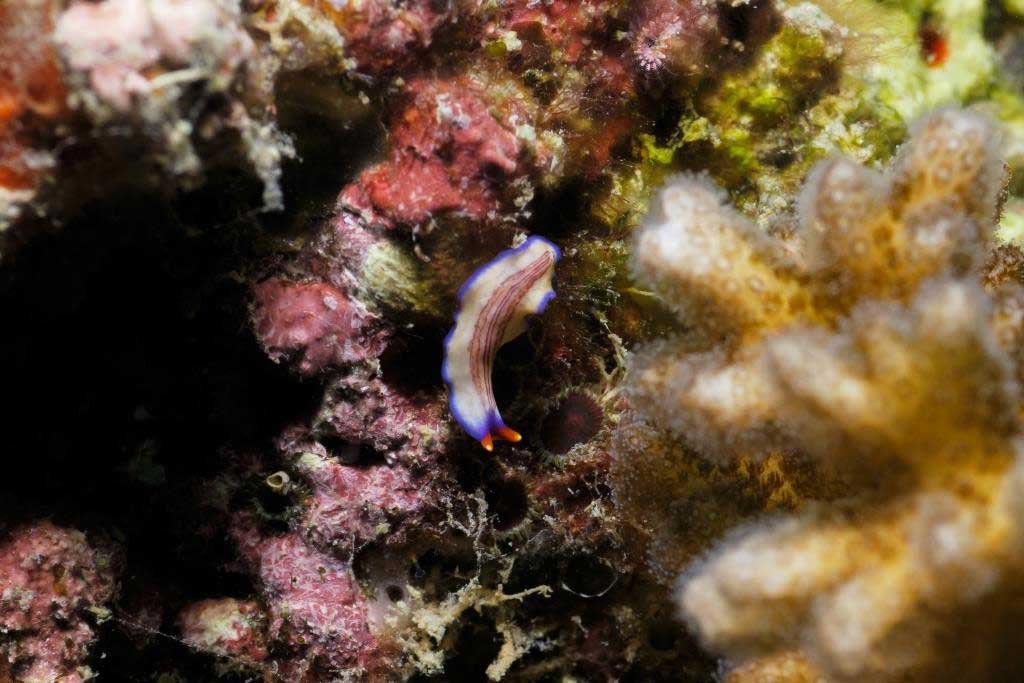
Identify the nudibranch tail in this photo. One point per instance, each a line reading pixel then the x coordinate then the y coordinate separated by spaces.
pixel 493 305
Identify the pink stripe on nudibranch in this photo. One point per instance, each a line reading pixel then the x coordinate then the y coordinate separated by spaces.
pixel 493 305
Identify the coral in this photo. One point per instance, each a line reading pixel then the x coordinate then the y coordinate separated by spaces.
pixel 741 290
pixel 353 505
pixel 54 588
pixel 678 503
pixel 784 667
pixel 459 164
pixel 861 338
pixel 399 425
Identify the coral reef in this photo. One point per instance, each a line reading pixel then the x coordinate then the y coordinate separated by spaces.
pixel 738 288
pixel 130 59
pixel 233 239
pixel 114 78
pixel 862 339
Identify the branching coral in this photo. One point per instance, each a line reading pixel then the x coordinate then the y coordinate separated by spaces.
pixel 757 304
pixel 864 339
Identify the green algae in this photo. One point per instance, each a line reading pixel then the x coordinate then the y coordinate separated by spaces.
pixel 835 78
pixel 1011 227
pixel 395 279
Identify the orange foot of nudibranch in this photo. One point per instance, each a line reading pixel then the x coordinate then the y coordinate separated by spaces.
pixel 503 433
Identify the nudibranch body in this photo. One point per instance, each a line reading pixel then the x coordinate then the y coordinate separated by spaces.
pixel 493 305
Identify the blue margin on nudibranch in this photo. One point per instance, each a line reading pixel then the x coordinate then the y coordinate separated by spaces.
pixel 494 420
pixel 498 259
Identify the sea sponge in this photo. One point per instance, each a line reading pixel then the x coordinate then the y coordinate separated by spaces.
pixel 867 339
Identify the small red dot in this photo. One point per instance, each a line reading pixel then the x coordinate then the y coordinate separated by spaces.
pixel 934 46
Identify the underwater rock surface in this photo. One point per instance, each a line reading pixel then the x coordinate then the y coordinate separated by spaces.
pixel 769 423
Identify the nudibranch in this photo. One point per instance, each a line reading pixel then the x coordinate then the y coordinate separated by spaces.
pixel 492 309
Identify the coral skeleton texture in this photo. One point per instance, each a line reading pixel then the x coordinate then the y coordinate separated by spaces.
pixel 863 338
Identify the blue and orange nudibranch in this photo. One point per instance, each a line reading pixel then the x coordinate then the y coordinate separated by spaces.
pixel 493 305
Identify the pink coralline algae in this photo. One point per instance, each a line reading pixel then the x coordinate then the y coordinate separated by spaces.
pixel 351 506
pixel 411 427
pixel 315 607
pixel 448 153
pixel 315 324
pixel 54 587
